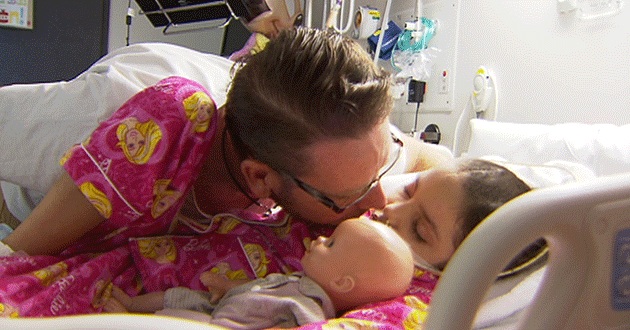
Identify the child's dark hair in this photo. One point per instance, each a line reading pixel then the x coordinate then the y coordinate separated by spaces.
pixel 486 187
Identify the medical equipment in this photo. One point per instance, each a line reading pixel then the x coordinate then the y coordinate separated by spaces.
pixel 484 90
pixel 366 22
pixel 177 17
pixel 334 17
pixel 387 41
pixel 187 16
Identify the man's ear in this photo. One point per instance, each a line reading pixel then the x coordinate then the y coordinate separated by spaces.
pixel 258 176
pixel 344 284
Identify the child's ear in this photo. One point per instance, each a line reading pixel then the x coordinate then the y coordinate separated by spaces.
pixel 258 177
pixel 344 284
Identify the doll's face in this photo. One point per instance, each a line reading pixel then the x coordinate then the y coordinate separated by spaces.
pixel 353 247
pixel 134 140
pixel 163 247
pixel 203 113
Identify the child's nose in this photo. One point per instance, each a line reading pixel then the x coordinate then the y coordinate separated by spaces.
pixel 386 218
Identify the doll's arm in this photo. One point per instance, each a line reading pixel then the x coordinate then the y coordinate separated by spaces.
pixel 120 302
pixel 218 284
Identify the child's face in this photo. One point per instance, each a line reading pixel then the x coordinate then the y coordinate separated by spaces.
pixel 427 220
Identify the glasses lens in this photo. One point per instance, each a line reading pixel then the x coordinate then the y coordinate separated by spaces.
pixel 394 154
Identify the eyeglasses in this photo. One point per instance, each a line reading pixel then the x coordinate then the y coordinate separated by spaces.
pixel 328 202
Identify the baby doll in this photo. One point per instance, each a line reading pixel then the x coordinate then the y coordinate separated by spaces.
pixel 362 261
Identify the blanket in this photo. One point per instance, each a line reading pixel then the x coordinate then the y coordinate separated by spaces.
pixel 53 286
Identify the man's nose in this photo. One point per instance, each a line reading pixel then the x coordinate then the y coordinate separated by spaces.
pixel 375 199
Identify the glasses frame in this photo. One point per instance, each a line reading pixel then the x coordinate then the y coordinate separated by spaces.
pixel 328 202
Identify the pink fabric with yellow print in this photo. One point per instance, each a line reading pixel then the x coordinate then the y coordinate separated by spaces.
pixel 138 164
pixel 135 169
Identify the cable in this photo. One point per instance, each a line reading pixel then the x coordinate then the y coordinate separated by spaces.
pixel 384 23
pixel 460 122
pixel 128 19
pixel 415 121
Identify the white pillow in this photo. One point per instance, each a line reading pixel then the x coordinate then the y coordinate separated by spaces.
pixel 603 148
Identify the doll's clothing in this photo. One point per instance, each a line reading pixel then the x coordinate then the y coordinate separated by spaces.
pixel 281 301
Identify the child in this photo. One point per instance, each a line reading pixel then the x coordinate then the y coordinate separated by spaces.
pixel 438 208
pixel 362 261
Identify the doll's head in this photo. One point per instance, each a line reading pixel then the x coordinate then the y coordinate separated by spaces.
pixel 362 261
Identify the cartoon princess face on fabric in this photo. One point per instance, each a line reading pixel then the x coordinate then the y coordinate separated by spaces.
pixel 163 197
pixel 138 139
pixel 199 109
pixel 160 249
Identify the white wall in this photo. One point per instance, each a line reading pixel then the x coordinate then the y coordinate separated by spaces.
pixel 141 30
pixel 550 67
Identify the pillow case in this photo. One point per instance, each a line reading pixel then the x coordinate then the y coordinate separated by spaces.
pixel 603 148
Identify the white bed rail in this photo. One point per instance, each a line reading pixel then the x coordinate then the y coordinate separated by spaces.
pixel 587 282
pixel 105 322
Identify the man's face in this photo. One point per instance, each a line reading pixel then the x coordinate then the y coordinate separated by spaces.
pixel 341 170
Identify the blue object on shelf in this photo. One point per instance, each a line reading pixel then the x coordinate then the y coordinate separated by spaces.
pixel 389 40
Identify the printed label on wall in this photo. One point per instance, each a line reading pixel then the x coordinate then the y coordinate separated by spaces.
pixel 16 13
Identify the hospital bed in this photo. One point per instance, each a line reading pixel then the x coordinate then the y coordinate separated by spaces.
pixel 582 285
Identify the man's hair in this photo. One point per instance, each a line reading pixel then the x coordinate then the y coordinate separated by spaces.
pixel 305 86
